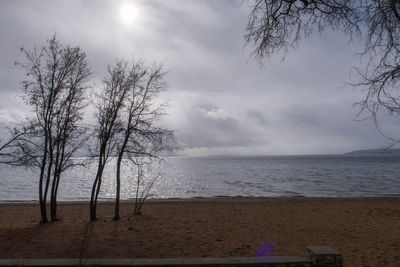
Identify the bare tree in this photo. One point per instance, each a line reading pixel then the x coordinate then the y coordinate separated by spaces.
pixel 55 89
pixel 126 113
pixel 140 138
pixel 146 176
pixel 69 137
pixel 277 26
pixel 111 101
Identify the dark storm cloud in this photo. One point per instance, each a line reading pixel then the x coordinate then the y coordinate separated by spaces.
pixel 220 100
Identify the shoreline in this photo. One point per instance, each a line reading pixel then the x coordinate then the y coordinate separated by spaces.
pixel 214 198
pixel 365 230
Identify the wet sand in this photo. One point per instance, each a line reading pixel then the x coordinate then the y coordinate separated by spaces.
pixel 365 230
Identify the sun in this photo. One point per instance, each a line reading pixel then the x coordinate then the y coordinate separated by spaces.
pixel 128 13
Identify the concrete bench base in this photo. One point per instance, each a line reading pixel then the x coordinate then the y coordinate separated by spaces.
pixel 320 256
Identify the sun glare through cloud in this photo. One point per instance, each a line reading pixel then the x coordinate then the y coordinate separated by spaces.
pixel 128 12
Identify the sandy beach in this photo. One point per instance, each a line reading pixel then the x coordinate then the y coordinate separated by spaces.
pixel 365 230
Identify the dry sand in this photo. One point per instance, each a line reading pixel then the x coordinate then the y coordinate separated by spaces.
pixel 365 230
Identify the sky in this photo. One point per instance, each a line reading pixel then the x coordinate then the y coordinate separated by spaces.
pixel 220 100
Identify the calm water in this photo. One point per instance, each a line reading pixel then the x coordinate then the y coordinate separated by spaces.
pixel 228 176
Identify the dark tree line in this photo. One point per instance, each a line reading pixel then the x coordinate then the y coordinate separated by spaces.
pixel 276 26
pixel 56 89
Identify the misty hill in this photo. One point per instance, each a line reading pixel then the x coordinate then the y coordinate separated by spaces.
pixel 375 152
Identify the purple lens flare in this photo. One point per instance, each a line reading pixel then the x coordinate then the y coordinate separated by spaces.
pixel 266 250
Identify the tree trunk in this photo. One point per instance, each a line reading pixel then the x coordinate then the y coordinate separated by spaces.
pixel 53 198
pixel 92 209
pixel 118 184
pixel 53 206
pixel 119 161
pixel 49 168
pixel 43 212
pixel 97 192
pixel 42 199
pixel 43 206
pixel 92 204
pixel 53 195
pixel 95 189
pixel 53 210
pixel 139 177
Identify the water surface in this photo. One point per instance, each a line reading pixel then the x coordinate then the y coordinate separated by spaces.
pixel 267 176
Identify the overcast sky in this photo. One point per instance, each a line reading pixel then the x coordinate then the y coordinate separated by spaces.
pixel 220 100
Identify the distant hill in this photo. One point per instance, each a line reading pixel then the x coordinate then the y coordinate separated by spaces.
pixel 372 152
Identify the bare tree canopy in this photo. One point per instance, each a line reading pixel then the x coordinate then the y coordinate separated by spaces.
pixel 55 89
pixel 275 26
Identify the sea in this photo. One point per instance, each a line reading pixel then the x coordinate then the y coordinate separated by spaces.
pixel 222 176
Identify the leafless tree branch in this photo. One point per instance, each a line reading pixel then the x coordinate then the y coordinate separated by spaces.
pixel 277 26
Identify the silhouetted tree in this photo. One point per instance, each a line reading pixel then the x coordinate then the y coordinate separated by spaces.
pixel 110 102
pixel 6 147
pixel 55 89
pixel 139 137
pixel 69 136
pixel 274 26
pixel 126 114
pixel 146 176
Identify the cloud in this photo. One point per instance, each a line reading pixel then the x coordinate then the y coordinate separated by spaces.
pixel 220 100
pixel 258 117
